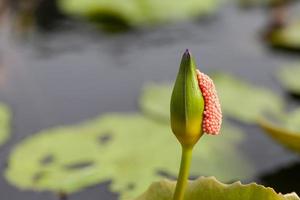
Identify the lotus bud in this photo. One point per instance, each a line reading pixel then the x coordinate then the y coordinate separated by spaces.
pixel 195 107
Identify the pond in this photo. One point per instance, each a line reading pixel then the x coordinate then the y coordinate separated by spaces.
pixel 76 72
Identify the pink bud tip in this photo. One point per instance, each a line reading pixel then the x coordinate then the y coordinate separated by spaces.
pixel 212 116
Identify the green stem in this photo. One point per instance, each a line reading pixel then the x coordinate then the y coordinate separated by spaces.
pixel 183 173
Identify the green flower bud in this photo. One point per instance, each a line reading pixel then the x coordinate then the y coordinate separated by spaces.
pixel 187 104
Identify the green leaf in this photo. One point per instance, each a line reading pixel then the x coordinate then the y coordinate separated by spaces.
pixel 5 118
pixel 287 37
pixel 239 99
pixel 243 101
pixel 155 101
pixel 211 189
pixel 119 148
pixel 137 12
pixel 289 78
pixel 285 130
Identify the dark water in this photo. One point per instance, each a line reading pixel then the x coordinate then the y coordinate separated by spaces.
pixel 77 72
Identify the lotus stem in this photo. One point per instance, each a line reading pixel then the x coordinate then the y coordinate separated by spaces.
pixel 183 176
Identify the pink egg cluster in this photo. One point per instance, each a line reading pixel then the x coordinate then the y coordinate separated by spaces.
pixel 212 117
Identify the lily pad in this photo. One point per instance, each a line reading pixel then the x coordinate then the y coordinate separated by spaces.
pixel 240 100
pixel 119 148
pixel 286 37
pixel 211 189
pixel 243 101
pixel 5 117
pixel 285 130
pixel 289 78
pixel 155 101
pixel 137 12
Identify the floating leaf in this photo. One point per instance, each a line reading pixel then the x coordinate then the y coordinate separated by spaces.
pixel 243 101
pixel 286 132
pixel 155 101
pixel 287 37
pixel 119 148
pixel 137 12
pixel 211 189
pixel 289 78
pixel 5 116
pixel 283 179
pixel 239 99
